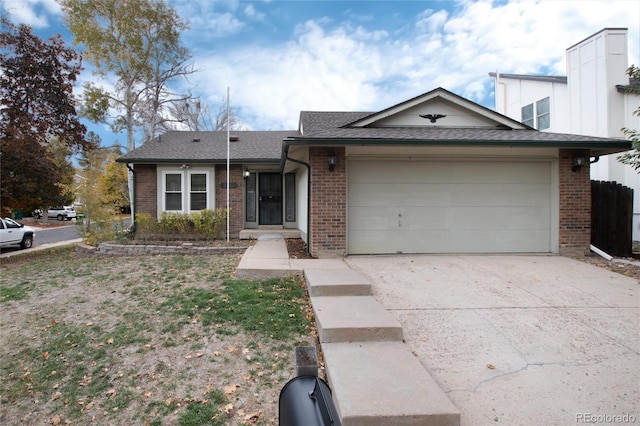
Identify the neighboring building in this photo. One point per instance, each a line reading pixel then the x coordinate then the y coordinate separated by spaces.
pixel 590 100
pixel 435 174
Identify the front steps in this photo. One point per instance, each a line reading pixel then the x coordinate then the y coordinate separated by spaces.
pixel 374 377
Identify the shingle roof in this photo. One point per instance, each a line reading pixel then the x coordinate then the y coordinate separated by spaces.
pixel 210 147
pixel 326 128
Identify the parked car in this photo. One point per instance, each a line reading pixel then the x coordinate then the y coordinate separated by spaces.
pixel 37 213
pixel 61 213
pixel 13 233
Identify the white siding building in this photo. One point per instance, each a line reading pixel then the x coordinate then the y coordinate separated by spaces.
pixel 590 100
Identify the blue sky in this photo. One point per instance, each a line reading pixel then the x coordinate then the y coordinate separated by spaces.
pixel 281 57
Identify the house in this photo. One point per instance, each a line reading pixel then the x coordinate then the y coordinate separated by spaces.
pixel 590 100
pixel 434 174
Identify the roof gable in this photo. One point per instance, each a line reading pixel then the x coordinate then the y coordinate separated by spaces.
pixel 438 108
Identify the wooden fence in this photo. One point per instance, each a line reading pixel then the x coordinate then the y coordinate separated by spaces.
pixel 612 218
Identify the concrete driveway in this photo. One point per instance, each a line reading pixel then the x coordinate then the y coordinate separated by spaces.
pixel 518 340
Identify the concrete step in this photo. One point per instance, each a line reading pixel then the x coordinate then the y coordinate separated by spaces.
pixel 336 282
pixel 383 383
pixel 354 319
pixel 254 234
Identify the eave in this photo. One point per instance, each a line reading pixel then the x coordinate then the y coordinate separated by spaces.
pixel 596 148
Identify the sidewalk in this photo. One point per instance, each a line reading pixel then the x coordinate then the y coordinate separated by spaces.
pixel 17 252
pixel 268 258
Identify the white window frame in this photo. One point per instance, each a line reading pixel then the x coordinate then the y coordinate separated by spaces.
pixel 164 191
pixel 188 191
pixel 529 121
pixel 185 183
pixel 544 114
pixel 534 120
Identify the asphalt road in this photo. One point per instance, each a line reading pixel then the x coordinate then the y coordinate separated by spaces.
pixel 51 237
pixel 56 235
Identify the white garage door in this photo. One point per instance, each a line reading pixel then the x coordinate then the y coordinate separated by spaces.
pixel 449 207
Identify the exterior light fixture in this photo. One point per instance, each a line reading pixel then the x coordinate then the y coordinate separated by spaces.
pixel 246 173
pixel 184 166
pixel 332 160
pixel 578 162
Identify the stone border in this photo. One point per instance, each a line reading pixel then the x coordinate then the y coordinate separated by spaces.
pixel 110 249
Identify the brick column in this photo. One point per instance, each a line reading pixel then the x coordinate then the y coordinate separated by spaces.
pixel 146 193
pixel 575 204
pixel 236 202
pixel 328 204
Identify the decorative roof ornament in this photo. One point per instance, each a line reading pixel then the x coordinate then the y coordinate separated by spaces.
pixel 433 117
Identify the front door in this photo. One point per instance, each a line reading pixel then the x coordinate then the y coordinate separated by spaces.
pixel 270 198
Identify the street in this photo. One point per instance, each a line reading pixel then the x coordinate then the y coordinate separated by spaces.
pixel 56 235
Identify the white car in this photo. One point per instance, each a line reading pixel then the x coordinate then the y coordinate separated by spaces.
pixel 61 213
pixel 13 233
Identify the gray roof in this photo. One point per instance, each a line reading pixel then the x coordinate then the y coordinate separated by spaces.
pixel 210 147
pixel 333 127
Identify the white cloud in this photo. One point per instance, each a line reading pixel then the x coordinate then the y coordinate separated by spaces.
pixel 251 13
pixel 34 13
pixel 334 66
pixel 208 19
pixel 318 70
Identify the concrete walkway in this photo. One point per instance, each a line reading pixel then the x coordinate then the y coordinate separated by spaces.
pixel 374 376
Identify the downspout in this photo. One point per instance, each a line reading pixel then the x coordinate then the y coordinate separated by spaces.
pixel 285 153
pixel 133 195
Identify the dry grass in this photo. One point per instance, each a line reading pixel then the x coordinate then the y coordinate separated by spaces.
pixel 144 340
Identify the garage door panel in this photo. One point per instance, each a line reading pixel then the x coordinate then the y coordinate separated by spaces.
pixel 379 242
pixel 380 195
pixel 449 206
pixel 395 218
pixel 469 194
pixel 533 218
pixel 403 172
pixel 500 194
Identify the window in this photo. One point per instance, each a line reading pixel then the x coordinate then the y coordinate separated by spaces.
pixel 540 118
pixel 527 115
pixel 543 114
pixel 185 190
pixel 290 197
pixel 173 192
pixel 198 191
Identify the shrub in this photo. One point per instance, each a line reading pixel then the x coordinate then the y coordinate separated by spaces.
pixel 205 224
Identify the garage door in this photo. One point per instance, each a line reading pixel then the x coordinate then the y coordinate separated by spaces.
pixel 449 207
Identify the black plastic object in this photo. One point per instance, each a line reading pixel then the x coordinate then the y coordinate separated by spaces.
pixel 306 401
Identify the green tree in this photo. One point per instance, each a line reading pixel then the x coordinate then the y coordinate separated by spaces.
pixel 113 182
pixel 138 43
pixel 95 208
pixel 36 107
pixel 632 157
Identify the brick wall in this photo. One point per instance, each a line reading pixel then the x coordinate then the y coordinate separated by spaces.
pixel 236 222
pixel 146 189
pixel 575 204
pixel 328 204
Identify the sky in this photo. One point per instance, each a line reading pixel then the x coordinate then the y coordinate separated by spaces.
pixel 278 58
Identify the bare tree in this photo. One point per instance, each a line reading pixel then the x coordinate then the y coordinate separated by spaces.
pixel 195 115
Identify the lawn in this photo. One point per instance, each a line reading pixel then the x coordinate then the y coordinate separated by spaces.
pixel 145 340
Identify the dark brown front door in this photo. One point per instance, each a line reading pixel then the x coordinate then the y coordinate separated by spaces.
pixel 270 198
